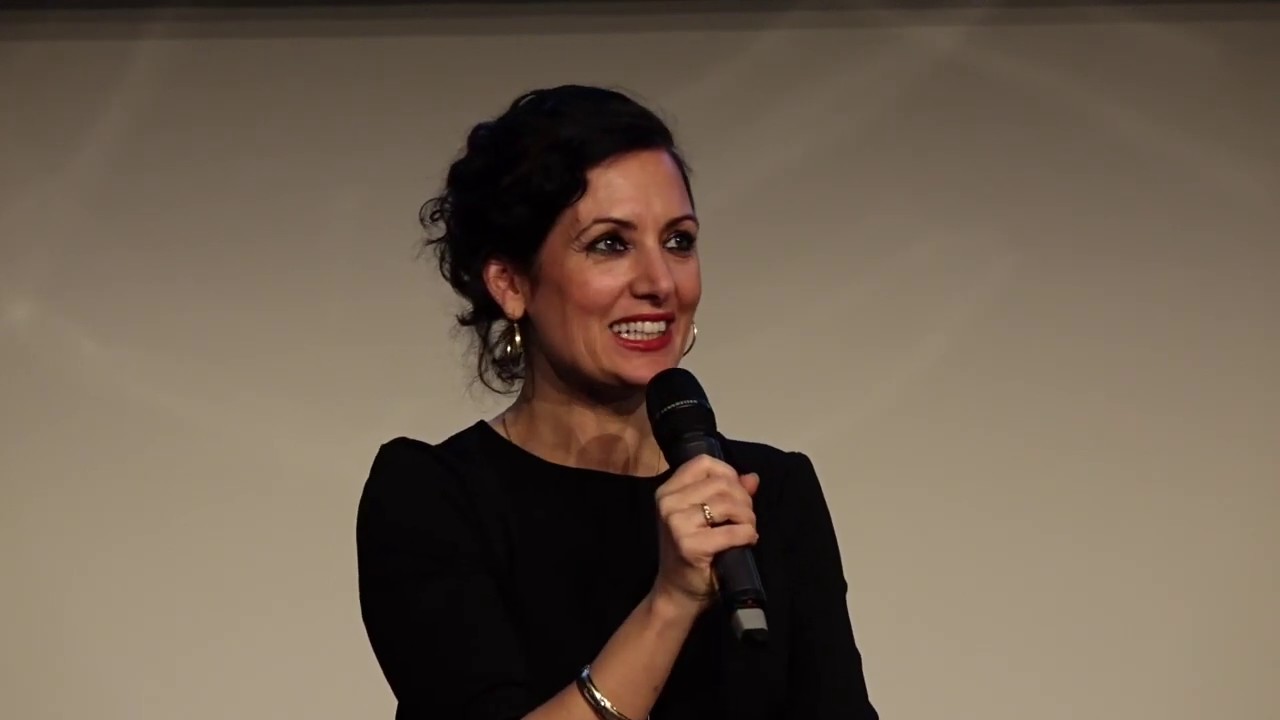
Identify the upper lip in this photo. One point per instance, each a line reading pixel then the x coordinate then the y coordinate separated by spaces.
pixel 647 317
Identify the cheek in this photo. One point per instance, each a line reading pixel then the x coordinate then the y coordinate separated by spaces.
pixel 583 308
pixel 593 298
pixel 689 285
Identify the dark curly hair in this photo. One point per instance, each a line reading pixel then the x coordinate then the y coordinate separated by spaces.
pixel 516 175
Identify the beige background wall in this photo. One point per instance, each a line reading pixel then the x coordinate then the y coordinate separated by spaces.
pixel 1010 277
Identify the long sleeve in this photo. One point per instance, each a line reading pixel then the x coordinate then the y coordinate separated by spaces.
pixel 826 676
pixel 428 595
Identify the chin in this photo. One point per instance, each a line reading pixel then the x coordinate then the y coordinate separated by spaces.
pixel 638 373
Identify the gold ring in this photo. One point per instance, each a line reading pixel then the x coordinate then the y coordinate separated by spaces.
pixel 706 513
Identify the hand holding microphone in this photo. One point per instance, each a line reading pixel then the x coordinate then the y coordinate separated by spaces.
pixel 705 490
pixel 704 509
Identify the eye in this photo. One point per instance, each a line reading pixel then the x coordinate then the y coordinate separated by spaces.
pixel 608 244
pixel 681 241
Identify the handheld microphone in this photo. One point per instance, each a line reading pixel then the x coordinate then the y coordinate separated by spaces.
pixel 685 427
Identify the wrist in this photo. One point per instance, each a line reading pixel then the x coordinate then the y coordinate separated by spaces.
pixel 673 609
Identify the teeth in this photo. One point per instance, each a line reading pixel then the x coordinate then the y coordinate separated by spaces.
pixel 646 330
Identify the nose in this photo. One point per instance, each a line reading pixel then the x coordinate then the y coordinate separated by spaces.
pixel 653 279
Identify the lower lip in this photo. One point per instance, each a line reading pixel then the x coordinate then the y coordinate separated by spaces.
pixel 653 345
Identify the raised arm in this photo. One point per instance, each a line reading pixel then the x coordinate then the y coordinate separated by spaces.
pixel 435 618
pixel 827 678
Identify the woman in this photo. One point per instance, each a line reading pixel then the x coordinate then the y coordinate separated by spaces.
pixel 546 563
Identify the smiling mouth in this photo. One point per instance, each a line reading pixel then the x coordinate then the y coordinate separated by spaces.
pixel 640 330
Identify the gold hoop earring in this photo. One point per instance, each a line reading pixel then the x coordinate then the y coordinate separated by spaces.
pixel 513 348
pixel 692 342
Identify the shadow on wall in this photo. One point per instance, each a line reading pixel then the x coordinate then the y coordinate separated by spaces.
pixel 123 19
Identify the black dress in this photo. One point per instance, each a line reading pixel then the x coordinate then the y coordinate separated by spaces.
pixel 488 577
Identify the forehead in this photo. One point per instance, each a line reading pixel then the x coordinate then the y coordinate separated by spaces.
pixel 641 185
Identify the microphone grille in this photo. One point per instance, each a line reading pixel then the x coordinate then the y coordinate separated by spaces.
pixel 676 403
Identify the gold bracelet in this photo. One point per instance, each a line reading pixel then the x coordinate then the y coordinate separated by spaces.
pixel 598 702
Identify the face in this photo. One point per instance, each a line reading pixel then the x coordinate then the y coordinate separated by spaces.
pixel 614 289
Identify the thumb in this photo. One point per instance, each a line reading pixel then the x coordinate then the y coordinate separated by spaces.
pixel 750 483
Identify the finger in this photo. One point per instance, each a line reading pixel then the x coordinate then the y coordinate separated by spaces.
pixel 693 471
pixel 722 510
pixel 706 545
pixel 719 486
pixel 750 483
pixel 725 510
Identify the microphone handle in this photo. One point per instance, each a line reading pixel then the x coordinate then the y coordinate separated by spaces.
pixel 737 578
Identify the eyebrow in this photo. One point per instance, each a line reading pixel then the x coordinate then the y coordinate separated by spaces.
pixel 608 220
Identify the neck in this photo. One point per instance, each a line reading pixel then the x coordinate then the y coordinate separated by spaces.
pixel 572 428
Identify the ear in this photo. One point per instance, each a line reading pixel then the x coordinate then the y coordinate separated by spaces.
pixel 507 286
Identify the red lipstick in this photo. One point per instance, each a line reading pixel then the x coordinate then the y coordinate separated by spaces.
pixel 649 317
